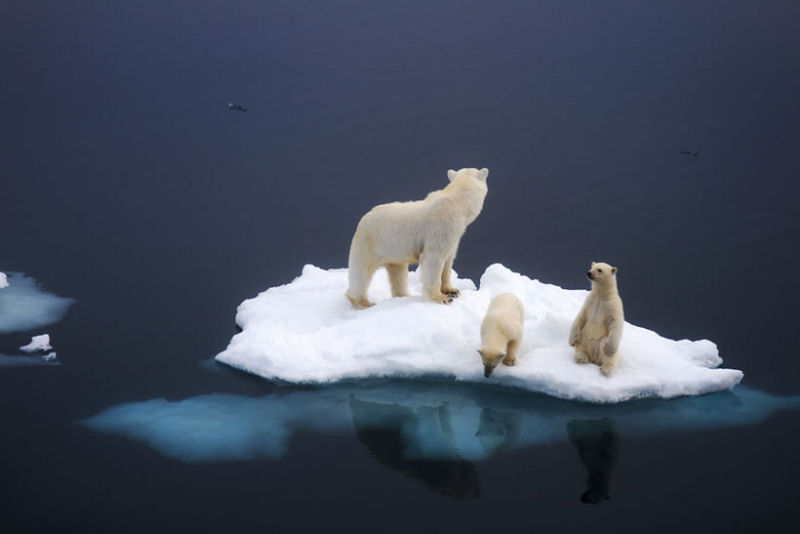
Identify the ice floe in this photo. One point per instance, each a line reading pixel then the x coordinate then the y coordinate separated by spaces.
pixel 307 332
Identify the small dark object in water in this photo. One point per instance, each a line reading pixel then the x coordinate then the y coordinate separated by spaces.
pixel 236 107
pixel 686 152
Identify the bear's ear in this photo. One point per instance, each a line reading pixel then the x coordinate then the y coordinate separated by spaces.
pixel 594 263
pixel 613 270
pixel 483 173
pixel 451 175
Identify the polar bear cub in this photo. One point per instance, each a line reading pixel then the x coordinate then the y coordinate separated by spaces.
pixel 501 332
pixel 424 231
pixel 597 330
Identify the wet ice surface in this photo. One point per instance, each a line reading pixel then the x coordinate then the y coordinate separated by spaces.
pixel 422 420
pixel 307 332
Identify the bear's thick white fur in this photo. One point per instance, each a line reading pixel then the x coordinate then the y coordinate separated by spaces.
pixel 501 332
pixel 423 231
pixel 597 330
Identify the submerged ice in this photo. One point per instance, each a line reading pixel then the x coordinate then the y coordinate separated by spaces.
pixel 415 420
pixel 307 332
pixel 24 305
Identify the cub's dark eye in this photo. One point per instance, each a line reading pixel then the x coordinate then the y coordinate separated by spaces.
pixel 599 270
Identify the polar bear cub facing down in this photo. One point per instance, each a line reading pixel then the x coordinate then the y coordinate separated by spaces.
pixel 501 332
pixel 597 330
pixel 424 231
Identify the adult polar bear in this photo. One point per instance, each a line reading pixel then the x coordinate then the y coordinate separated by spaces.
pixel 423 231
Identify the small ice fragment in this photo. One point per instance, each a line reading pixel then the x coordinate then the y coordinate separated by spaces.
pixel 38 343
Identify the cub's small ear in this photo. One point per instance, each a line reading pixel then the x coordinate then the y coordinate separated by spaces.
pixel 594 263
pixel 451 175
pixel 613 270
pixel 484 173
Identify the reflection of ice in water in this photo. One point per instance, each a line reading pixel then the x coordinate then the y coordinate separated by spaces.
pixel 423 421
pixel 24 306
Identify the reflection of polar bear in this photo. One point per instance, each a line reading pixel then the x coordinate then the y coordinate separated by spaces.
pixel 424 231
pixel 597 329
pixel 501 332
pixel 597 442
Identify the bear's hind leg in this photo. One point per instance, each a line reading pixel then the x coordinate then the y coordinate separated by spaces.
pixel 581 356
pixel 359 277
pixel 448 289
pixel 398 278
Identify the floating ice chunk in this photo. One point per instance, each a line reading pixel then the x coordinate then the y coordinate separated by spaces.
pixel 3 280
pixel 38 343
pixel 414 420
pixel 24 305
pixel 49 357
pixel 307 332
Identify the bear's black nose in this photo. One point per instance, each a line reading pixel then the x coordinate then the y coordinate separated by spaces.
pixel 487 371
pixel 589 274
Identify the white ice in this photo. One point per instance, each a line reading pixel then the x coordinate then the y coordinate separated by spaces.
pixel 3 280
pixel 38 343
pixel 307 332
pixel 25 306
pixel 439 420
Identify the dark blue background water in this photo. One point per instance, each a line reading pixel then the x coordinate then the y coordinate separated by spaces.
pixel 128 184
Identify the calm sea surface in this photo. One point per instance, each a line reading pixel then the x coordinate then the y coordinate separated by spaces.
pixel 127 184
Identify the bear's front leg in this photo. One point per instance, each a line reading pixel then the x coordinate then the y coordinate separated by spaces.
pixel 448 289
pixel 577 327
pixel 608 364
pixel 431 266
pixel 511 353
pixel 608 357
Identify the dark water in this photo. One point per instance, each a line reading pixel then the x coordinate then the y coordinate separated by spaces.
pixel 127 184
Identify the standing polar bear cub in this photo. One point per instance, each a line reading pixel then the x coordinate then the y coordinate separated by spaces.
pixel 597 329
pixel 423 231
pixel 501 332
